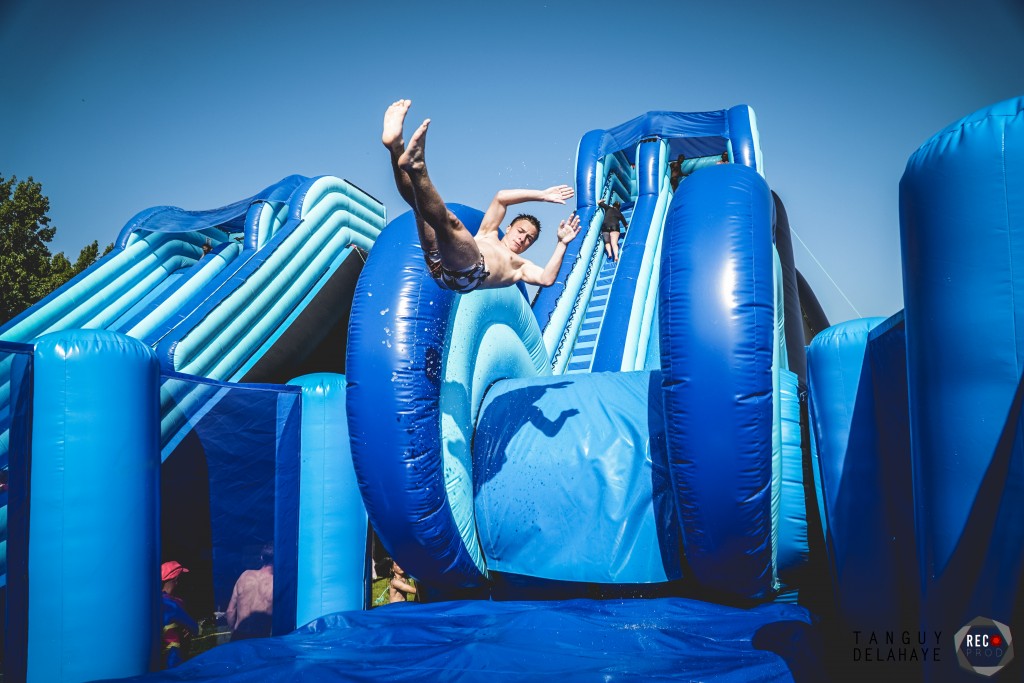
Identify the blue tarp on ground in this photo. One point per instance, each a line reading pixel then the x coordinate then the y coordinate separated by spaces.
pixel 574 640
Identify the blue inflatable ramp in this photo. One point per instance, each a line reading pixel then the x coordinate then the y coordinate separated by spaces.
pixel 668 639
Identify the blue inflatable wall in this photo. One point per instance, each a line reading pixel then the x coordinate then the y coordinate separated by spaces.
pixel 857 374
pixel 962 218
pixel 230 486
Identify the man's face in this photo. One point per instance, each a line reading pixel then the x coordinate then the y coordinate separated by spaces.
pixel 521 234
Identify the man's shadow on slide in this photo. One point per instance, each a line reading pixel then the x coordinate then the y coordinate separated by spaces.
pixel 502 419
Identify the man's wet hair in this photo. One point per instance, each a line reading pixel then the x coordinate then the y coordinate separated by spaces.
pixel 267 555
pixel 532 220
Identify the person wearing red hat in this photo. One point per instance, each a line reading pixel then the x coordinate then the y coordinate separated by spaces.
pixel 179 627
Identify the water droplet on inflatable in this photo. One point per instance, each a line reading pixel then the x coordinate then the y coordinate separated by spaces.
pixel 385 311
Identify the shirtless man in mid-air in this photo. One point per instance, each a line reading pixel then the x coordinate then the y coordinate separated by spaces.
pixel 457 260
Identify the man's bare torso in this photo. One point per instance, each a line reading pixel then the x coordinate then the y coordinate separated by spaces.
pixel 254 592
pixel 504 265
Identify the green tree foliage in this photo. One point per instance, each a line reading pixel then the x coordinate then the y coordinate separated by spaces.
pixel 28 271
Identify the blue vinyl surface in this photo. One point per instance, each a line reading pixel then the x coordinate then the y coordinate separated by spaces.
pixel 962 220
pixel 565 484
pixel 667 639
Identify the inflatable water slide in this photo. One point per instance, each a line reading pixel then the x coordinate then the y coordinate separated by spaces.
pixel 642 510
pixel 270 289
pixel 642 474
pixel 173 344
pixel 571 448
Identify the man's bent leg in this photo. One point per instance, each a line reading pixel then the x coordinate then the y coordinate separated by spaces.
pixel 394 120
pixel 392 137
pixel 456 245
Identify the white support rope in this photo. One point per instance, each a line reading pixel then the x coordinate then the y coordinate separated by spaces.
pixel 836 284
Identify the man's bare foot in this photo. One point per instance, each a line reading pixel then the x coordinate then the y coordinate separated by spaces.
pixel 394 117
pixel 412 159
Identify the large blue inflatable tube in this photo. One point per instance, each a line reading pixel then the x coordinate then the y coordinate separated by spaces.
pixel 394 364
pixel 962 217
pixel 717 333
pixel 94 511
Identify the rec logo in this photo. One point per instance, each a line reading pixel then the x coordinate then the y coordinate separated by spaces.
pixel 984 646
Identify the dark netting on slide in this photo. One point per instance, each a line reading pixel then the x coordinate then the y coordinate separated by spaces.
pixel 229 489
pixel 15 457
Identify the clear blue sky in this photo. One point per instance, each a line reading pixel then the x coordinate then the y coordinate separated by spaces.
pixel 119 105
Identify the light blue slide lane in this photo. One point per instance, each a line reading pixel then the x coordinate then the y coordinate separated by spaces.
pixel 157 268
pixel 272 257
pixel 328 221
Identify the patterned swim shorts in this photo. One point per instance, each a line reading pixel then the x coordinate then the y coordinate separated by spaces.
pixel 460 281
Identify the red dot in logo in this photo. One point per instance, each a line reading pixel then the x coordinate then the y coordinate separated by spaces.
pixel 996 641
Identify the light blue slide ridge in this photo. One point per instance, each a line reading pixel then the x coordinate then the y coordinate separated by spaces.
pixel 157 271
pixel 156 267
pixel 328 218
pixel 258 313
pixel 273 256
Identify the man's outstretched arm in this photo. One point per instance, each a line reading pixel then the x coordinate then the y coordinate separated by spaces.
pixel 495 213
pixel 545 277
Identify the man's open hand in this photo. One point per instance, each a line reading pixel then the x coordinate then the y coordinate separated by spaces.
pixel 557 194
pixel 567 230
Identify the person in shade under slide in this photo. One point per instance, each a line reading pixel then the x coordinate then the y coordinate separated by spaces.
pixel 456 259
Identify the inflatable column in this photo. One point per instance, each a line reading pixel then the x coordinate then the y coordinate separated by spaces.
pixel 93 546
pixel 962 221
pixel 333 567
